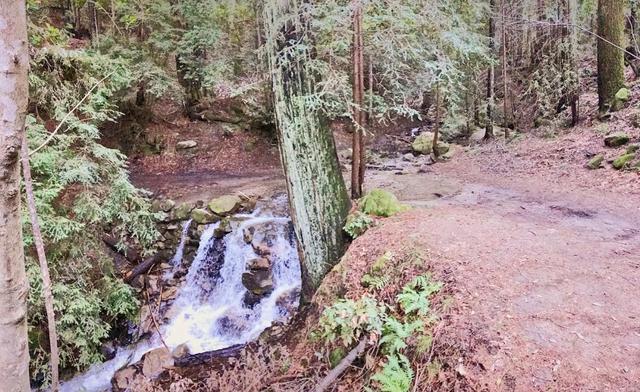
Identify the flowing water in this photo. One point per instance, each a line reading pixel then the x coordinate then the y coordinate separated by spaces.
pixel 210 311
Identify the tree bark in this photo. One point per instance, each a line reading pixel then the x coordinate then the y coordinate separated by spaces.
pixel 491 73
pixel 505 80
pixel 44 266
pixel 610 57
pixel 14 93
pixel 436 128
pixel 358 161
pixel 317 193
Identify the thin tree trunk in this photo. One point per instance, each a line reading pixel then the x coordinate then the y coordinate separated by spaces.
pixel 610 57
pixel 14 93
pixel 505 80
pixel 370 111
pixel 491 73
pixel 44 267
pixel 436 128
pixel 317 193
pixel 358 161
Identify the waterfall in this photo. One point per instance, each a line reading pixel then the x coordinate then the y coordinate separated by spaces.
pixel 210 309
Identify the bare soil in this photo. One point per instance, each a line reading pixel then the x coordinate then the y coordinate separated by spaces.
pixel 546 263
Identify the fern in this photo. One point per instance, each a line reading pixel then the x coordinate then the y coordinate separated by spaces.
pixel 396 375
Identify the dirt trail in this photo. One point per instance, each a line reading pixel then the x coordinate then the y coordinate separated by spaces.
pixel 549 282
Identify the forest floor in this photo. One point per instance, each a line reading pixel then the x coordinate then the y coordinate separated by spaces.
pixel 545 253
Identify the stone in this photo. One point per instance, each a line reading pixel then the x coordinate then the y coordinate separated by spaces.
pixel 187 144
pixel 257 264
pixel 633 148
pixel 409 157
pixel 203 216
pixel 346 154
pixel 622 96
pixel 123 378
pixel 164 205
pixel 258 282
pixel 223 229
pixel 169 293
pixel 423 144
pixel 622 161
pixel 595 162
pixel 181 351
pixel 616 139
pixel 261 249
pixel 225 205
pixel 182 211
pixel 155 362
pixel 108 350
pixel 379 202
pixel 247 234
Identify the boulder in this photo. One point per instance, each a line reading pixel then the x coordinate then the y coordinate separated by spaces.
pixel 164 205
pixel 595 162
pixel 124 377
pixel 259 264
pixel 633 148
pixel 616 139
pixel 622 96
pixel 181 351
pixel 223 229
pixel 203 216
pixel 423 144
pixel 258 282
pixel 187 144
pixel 622 161
pixel 182 211
pixel 247 234
pixel 379 202
pixel 156 361
pixel 261 249
pixel 225 205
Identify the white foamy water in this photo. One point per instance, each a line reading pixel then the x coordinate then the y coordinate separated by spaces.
pixel 210 310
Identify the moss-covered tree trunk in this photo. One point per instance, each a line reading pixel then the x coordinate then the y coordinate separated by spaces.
pixel 317 193
pixel 610 54
pixel 491 74
pixel 14 93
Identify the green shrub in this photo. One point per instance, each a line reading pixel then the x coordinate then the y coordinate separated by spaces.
pixel 357 224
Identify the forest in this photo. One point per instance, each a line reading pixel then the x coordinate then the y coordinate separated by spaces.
pixel 319 195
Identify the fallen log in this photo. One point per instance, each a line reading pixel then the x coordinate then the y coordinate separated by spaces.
pixel 129 252
pixel 337 371
pixel 142 268
pixel 207 357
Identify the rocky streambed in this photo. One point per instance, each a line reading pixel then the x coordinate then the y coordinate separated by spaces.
pixel 235 272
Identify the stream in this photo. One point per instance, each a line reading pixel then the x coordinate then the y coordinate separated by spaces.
pixel 210 311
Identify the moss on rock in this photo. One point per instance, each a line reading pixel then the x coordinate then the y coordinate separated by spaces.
pixel 622 161
pixel 595 162
pixel 379 202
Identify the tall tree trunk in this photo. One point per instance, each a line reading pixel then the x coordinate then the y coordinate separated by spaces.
pixel 44 267
pixel 610 54
pixel 358 161
pixel 317 193
pixel 505 80
pixel 14 93
pixel 491 73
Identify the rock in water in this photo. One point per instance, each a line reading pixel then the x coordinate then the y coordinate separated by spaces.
pixel 595 162
pixel 203 216
pixel 616 139
pixel 185 145
pixel 225 205
pixel 181 351
pixel 124 377
pixel 622 161
pixel 156 361
pixel 258 282
pixel 259 264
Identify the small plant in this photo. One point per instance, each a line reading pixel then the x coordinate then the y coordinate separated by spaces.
pixel 395 376
pixel 357 224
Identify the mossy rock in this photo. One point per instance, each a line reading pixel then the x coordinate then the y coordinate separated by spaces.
pixel 622 161
pixel 595 162
pixel 423 144
pixel 336 355
pixel 633 148
pixel 225 205
pixel 203 217
pixel 622 96
pixel 182 211
pixel 379 202
pixel 616 139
